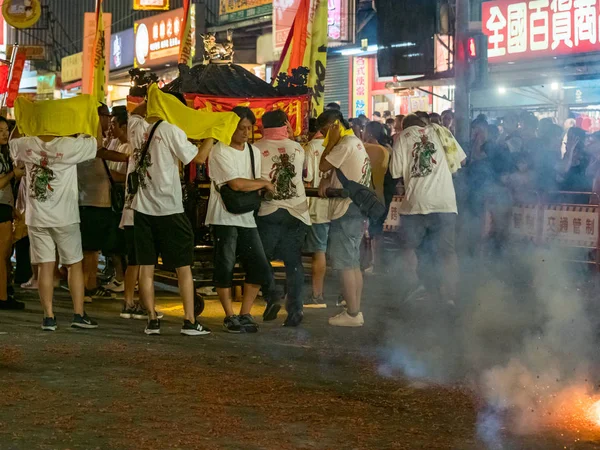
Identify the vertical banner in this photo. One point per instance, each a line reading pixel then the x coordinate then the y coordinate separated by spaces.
pixel 99 57
pixel 360 89
pixel 318 57
pixel 186 42
pixel 4 71
pixel 15 81
pixel 89 37
pixel 306 46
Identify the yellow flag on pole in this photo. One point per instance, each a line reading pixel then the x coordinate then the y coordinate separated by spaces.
pixel 99 55
pixel 185 40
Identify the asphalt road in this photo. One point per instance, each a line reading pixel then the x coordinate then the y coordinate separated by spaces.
pixel 314 387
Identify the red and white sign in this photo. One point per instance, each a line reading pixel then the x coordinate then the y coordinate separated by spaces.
pixel 536 28
pixel 284 13
pixel 15 81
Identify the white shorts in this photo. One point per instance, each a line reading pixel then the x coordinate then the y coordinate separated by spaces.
pixel 45 241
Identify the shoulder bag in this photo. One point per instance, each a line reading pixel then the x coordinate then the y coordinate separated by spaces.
pixel 237 202
pixel 365 198
pixel 134 178
pixel 117 191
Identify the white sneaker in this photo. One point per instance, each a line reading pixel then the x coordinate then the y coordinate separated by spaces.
pixel 344 319
pixel 115 286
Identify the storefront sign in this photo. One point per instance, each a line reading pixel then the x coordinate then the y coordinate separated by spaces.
pixel 519 30
pixel 284 12
pixel 150 5
pixel 360 92
pixel 296 109
pixel 72 67
pixel 236 10
pixel 4 70
pixel 337 22
pixel 157 38
pixel 15 81
pixel 89 32
pixel 121 49
pixel 32 52
pixel 21 13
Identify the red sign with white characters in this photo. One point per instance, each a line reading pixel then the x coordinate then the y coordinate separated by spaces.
pixel 520 30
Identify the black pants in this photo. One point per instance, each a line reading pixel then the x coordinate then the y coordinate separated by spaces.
pixel 283 237
pixel 232 242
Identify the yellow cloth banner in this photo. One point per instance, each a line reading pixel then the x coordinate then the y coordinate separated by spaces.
pixel 195 124
pixel 66 117
pixel 99 90
pixel 343 133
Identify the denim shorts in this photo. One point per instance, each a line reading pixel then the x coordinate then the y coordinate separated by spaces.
pixel 345 236
pixel 440 227
pixel 317 237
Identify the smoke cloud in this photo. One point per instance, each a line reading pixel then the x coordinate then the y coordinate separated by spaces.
pixel 521 337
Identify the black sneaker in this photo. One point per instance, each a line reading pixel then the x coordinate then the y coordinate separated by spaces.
pixel 141 313
pixel 293 319
pixel 271 312
pixel 248 324
pixel 99 293
pixel 193 329
pixel 49 324
pixel 11 303
pixel 84 321
pixel 153 327
pixel 232 325
pixel 127 312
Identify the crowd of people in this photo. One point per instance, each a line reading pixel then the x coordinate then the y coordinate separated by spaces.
pixel 66 190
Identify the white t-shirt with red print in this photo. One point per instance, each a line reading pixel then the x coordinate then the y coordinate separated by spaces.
pixel 350 156
pixel 282 163
pixel 51 177
pixel 159 193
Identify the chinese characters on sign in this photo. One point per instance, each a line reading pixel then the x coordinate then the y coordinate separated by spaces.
pixel 337 20
pixel 360 94
pixel 236 10
pixel 528 29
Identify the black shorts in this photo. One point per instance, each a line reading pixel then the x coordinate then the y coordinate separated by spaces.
pixel 130 246
pixel 171 237
pixel 6 213
pixel 97 229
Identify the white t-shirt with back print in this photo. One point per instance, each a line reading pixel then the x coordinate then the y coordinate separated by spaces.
pixel 51 177
pixel 317 207
pixel 350 156
pixel 282 163
pixel 159 193
pixel 226 163
pixel 419 159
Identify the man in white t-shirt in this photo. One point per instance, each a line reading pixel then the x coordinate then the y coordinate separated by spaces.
pixel 348 155
pixel 283 222
pixel 160 224
pixel 236 234
pixel 52 214
pixel 429 206
pixel 318 234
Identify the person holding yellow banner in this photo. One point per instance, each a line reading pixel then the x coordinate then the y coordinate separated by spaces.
pixel 160 226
